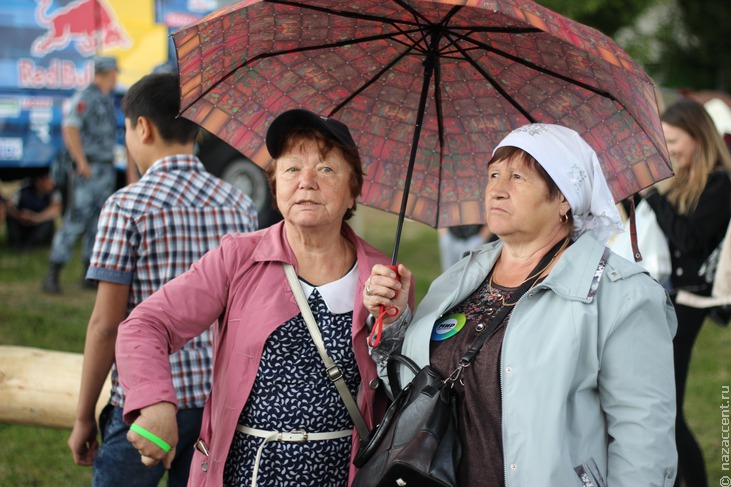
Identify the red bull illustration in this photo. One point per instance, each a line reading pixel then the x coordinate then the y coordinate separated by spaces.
pixel 90 24
pixel 48 50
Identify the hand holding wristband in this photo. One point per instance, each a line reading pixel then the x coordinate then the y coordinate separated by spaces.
pixel 151 437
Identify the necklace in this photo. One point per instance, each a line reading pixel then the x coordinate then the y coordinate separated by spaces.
pixel 535 276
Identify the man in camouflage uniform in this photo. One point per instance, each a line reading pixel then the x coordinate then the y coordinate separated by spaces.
pixel 89 131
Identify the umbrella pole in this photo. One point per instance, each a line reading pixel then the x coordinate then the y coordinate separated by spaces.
pixel 428 72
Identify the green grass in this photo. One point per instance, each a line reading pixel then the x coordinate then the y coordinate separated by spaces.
pixel 35 456
pixel 709 374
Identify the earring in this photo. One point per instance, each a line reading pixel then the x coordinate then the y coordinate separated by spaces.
pixel 564 219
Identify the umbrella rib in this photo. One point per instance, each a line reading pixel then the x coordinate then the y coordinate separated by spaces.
pixel 495 84
pixel 418 15
pixel 419 18
pixel 496 30
pixel 375 77
pixel 418 25
pixel 352 15
pixel 346 42
pixel 440 129
pixel 531 65
pixel 372 80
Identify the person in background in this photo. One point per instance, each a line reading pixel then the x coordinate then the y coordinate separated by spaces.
pixel 32 212
pixel 89 130
pixel 150 232
pixel 575 385
pixel 693 211
pixel 720 112
pixel 456 241
pixel 3 208
pixel 274 416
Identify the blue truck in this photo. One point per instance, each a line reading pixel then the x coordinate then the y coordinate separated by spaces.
pixel 46 52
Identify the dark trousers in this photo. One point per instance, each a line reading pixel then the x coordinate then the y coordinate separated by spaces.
pixel 691 468
pixel 22 236
pixel 117 463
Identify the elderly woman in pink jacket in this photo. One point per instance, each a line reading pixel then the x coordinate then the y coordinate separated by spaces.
pixel 274 416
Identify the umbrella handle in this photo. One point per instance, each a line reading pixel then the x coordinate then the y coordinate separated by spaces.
pixel 375 336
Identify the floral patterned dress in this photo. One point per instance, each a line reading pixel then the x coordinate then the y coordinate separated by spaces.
pixel 292 392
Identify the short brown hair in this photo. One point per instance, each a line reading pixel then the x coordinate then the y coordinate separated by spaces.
pixel 326 144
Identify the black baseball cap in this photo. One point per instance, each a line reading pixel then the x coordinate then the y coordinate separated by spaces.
pixel 291 119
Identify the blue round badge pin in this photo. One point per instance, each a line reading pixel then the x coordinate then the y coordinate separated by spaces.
pixel 448 326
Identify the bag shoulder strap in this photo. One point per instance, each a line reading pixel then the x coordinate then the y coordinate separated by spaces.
pixel 505 310
pixel 333 371
pixel 485 335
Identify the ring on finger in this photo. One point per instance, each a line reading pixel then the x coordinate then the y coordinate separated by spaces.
pixel 368 289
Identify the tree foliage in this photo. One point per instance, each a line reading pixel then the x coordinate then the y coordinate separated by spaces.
pixel 687 49
pixel 608 16
pixel 709 24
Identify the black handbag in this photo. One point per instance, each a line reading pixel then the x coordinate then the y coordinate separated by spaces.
pixel 417 443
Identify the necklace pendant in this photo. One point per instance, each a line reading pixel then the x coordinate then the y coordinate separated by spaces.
pixel 493 297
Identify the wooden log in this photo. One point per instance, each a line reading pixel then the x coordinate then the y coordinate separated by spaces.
pixel 41 387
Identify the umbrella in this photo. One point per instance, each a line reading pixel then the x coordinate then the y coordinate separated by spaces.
pixel 427 87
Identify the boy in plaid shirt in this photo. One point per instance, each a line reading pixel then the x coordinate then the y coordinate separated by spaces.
pixel 150 232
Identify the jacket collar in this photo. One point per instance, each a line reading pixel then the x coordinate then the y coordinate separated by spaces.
pixel 273 245
pixel 571 277
pixel 179 162
pixel 574 273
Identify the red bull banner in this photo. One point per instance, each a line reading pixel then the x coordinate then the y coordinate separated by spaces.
pixel 91 25
pixel 47 49
pixel 52 42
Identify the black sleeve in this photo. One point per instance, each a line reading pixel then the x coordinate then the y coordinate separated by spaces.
pixel 700 230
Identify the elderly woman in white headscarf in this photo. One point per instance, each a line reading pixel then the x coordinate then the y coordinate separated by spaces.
pixel 575 386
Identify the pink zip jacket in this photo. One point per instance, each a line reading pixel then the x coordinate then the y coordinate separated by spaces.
pixel 242 285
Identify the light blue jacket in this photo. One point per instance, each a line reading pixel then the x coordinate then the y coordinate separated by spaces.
pixel 586 370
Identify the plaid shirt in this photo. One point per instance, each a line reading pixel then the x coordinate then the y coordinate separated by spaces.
pixel 152 231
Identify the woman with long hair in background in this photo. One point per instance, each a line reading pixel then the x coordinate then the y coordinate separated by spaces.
pixel 693 211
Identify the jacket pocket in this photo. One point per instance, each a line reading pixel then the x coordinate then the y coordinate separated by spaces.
pixel 589 474
pixel 201 464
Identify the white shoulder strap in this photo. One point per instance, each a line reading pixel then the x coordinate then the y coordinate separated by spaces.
pixel 333 371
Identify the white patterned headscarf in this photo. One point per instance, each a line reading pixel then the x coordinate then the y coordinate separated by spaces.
pixel 574 167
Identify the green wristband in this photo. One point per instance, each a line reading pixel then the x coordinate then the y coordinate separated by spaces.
pixel 150 436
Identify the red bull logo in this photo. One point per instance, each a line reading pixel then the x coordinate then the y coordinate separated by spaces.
pixel 90 24
pixel 60 73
